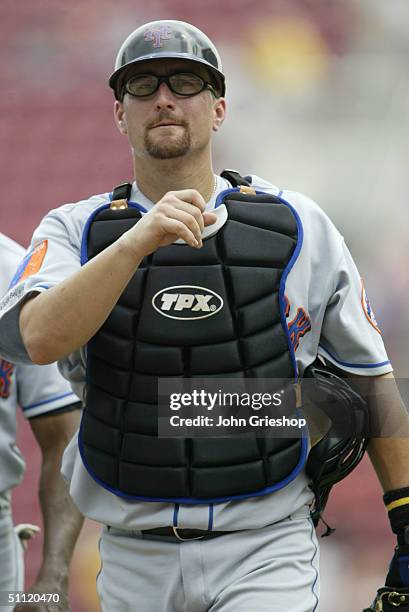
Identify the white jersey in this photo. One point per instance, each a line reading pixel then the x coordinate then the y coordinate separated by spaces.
pixel 37 390
pixel 327 313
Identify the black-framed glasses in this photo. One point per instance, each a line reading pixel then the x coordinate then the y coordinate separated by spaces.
pixel 180 83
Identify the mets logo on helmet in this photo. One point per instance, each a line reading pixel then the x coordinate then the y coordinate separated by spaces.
pixel 6 372
pixel 157 35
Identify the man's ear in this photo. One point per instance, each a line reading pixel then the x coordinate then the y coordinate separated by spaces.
pixel 219 113
pixel 120 117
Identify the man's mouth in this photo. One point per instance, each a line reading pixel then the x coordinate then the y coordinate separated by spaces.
pixel 166 124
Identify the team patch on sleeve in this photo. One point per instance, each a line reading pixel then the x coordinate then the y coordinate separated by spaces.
pixel 299 325
pixel 366 305
pixel 31 263
pixel 6 372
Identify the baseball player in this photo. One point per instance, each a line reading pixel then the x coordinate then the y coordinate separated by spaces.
pixel 188 274
pixel 53 411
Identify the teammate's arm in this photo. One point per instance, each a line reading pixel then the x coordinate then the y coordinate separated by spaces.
pixel 389 453
pixel 71 312
pixel 61 519
pixel 388 449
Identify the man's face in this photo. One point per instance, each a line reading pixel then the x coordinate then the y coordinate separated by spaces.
pixel 166 125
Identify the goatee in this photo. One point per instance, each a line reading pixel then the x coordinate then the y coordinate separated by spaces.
pixel 168 148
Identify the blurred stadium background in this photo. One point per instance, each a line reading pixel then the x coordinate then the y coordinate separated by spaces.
pixel 318 95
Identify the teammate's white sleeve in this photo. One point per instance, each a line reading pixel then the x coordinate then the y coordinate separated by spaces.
pixel 38 390
pixel 350 336
pixel 42 389
pixel 61 259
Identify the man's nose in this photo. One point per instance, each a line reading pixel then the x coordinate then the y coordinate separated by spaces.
pixel 164 97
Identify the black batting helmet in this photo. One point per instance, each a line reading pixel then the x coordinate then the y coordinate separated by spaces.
pixel 167 39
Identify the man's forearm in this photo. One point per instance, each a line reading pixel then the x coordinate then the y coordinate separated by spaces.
pixel 73 311
pixel 62 523
pixel 389 453
pixel 390 459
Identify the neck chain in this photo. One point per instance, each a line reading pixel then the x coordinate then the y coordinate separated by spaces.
pixel 214 189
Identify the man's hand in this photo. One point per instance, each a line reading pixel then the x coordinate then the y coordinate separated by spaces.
pixel 398 574
pixel 395 593
pixel 57 586
pixel 25 533
pixel 179 214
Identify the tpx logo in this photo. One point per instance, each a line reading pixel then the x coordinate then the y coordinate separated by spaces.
pixel 187 302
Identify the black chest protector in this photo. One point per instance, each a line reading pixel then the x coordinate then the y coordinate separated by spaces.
pixel 244 265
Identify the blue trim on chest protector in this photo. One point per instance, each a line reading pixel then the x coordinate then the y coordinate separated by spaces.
pixel 287 269
pixel 193 501
pixel 84 239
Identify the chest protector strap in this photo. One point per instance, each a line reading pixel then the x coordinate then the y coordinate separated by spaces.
pixel 244 334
